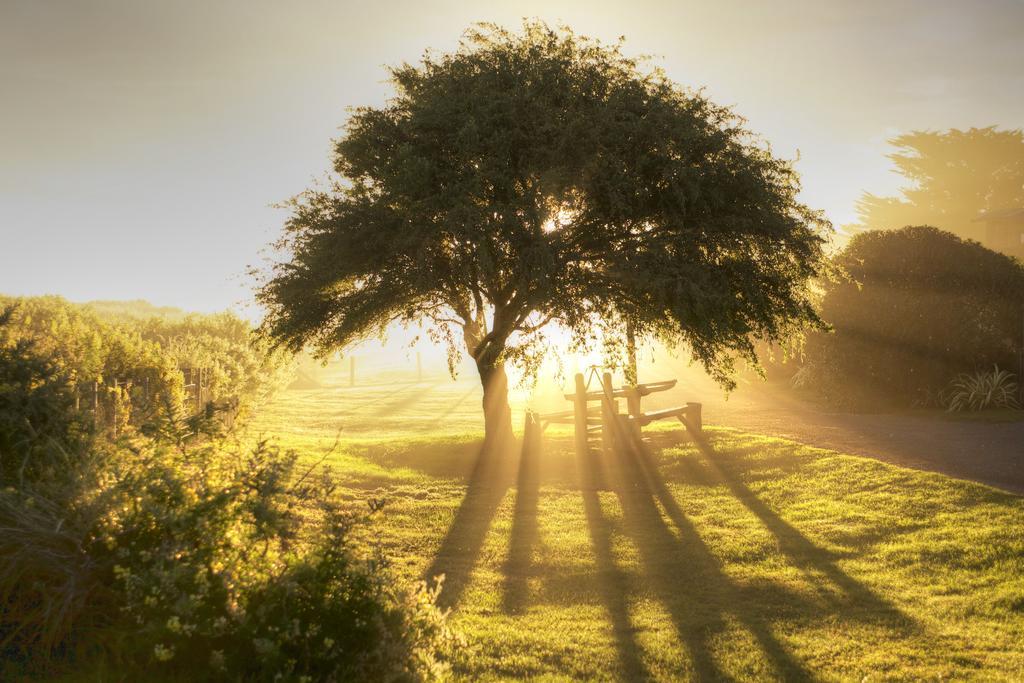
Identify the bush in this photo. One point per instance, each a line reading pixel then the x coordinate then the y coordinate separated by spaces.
pixel 90 348
pixel 155 558
pixel 916 307
pixel 38 422
pixel 240 365
pixel 982 391
pixel 213 561
pixel 246 565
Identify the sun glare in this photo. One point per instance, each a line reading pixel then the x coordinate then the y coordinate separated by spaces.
pixel 557 220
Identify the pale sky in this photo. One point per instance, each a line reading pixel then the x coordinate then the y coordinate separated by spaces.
pixel 142 143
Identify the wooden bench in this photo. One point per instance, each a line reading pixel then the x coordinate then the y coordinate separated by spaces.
pixel 597 419
pixel 689 415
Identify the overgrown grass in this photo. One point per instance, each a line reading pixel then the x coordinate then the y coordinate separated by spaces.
pixel 744 557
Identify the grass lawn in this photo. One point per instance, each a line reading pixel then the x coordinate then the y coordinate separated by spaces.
pixel 742 557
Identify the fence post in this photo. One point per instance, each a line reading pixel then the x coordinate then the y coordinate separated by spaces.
pixel 186 375
pixel 633 408
pixel 609 414
pixel 113 407
pixel 579 405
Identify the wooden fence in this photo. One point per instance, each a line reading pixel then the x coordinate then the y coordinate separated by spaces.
pixel 119 402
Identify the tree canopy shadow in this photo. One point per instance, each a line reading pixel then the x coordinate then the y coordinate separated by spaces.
pixel 440 458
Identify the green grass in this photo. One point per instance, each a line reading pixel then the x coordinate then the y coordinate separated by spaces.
pixel 744 557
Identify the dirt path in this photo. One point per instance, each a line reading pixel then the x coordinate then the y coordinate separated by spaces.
pixel 988 452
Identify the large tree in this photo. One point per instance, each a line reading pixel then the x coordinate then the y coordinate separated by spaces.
pixel 954 177
pixel 539 177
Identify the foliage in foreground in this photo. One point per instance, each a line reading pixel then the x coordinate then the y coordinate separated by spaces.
pixel 917 307
pixel 205 562
pixel 37 416
pixel 208 560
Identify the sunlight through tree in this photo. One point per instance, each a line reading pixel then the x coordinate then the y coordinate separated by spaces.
pixel 543 177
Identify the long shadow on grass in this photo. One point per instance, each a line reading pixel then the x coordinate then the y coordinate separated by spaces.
pixel 612 581
pixel 856 599
pixel 455 405
pixel 363 405
pixel 524 534
pixel 400 404
pixel 489 481
pixel 685 575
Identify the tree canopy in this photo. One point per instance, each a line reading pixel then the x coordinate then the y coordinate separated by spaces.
pixel 915 307
pixel 953 177
pixel 539 176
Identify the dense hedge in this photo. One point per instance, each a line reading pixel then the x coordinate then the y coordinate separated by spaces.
pixel 87 347
pixel 155 557
pixel 915 308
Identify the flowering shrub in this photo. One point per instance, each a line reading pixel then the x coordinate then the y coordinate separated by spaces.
pixel 245 564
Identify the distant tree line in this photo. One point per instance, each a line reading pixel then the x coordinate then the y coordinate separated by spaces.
pixel 953 179
pixel 911 310
pixel 102 354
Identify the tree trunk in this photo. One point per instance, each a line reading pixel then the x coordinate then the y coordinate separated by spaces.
pixel 497 414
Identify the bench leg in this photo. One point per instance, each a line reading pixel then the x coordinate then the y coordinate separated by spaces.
pixel 693 416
